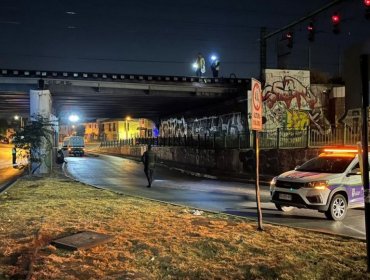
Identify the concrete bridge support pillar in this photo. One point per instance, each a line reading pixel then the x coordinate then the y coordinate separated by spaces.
pixel 40 107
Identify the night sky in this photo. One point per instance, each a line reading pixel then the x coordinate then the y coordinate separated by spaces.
pixel 164 37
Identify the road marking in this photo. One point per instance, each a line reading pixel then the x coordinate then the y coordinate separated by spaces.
pixel 356 230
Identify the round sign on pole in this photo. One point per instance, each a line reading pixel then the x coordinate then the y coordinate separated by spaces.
pixel 256 105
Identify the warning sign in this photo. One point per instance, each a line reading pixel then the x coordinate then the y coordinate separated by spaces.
pixel 256 105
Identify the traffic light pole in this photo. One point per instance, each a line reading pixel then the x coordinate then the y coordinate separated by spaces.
pixel 262 51
pixel 264 36
pixel 364 62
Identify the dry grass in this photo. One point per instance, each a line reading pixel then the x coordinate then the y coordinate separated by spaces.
pixel 155 241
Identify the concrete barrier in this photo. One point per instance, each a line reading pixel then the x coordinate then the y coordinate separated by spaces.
pixel 227 162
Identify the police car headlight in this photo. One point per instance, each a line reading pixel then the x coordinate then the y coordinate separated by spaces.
pixel 273 183
pixel 318 185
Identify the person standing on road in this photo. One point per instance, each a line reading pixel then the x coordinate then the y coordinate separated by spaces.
pixel 14 155
pixel 149 159
pixel 60 157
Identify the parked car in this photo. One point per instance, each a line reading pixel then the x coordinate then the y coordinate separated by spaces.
pixel 330 183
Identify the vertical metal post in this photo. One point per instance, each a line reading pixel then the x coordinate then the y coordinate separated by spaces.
pixel 308 137
pixel 263 47
pixel 364 63
pixel 259 212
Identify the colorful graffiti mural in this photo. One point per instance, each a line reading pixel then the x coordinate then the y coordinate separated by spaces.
pixel 297 119
pixel 228 124
pixel 290 103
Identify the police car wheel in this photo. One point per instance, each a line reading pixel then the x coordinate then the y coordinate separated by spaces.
pixel 284 208
pixel 337 208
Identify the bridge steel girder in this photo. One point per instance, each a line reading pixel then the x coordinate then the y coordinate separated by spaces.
pixel 117 99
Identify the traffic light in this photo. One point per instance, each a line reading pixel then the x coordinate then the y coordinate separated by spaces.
pixel 311 32
pixel 335 20
pixel 367 9
pixel 289 37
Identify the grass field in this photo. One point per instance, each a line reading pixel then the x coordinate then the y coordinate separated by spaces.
pixel 155 241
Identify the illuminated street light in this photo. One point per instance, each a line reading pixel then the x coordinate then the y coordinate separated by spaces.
pixel 73 118
pixel 16 117
pixel 213 57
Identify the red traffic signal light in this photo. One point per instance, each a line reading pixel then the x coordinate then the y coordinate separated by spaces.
pixel 335 20
pixel 311 32
pixel 367 9
pixel 289 37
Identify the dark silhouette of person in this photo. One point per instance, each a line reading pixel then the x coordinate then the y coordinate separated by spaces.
pixel 149 159
pixel 215 67
pixel 14 155
pixel 60 157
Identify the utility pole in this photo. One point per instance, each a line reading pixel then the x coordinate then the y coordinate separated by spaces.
pixel 262 51
pixel 365 78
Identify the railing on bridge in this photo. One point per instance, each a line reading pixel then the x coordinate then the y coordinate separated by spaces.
pixel 273 139
pixel 116 77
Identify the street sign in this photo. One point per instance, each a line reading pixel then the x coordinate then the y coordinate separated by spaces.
pixel 256 105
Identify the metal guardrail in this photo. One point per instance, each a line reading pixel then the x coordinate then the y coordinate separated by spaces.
pixel 272 139
pixel 119 77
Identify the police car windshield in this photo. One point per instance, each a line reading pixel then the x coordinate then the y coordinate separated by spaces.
pixel 330 164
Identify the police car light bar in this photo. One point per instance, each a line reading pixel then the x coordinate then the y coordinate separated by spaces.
pixel 338 150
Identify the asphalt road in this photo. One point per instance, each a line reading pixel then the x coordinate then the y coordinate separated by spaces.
pixel 127 176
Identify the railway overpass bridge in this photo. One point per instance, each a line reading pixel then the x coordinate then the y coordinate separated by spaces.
pixel 107 95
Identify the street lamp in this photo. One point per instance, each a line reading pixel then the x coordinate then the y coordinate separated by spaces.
pixel 73 118
pixel 16 117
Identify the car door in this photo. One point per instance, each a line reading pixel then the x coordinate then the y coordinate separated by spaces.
pixel 354 186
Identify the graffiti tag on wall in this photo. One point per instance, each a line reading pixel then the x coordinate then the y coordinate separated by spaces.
pixel 228 124
pixel 290 103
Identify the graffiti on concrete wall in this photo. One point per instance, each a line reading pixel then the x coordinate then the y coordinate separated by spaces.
pixel 173 127
pixel 290 103
pixel 228 124
pixel 297 119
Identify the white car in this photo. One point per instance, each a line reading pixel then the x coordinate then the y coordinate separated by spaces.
pixel 330 183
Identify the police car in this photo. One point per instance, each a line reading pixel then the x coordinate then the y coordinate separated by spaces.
pixel 330 183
